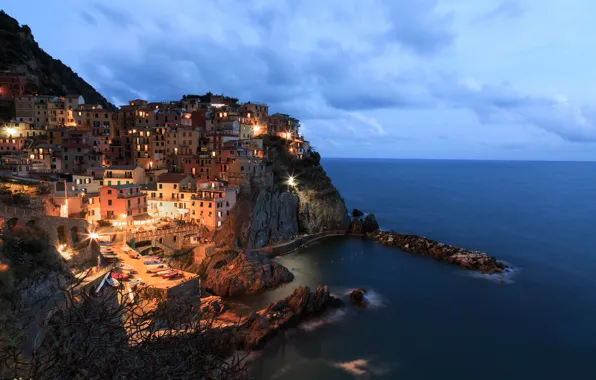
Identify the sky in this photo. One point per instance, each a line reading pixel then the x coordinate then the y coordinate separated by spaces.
pixel 455 79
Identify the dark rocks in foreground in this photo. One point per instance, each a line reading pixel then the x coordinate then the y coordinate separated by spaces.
pixel 357 297
pixel 297 307
pixel 474 260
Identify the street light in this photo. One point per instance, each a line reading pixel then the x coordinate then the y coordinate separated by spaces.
pixel 291 181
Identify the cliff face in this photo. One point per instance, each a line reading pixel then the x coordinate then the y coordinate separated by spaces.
pixel 19 52
pixel 276 212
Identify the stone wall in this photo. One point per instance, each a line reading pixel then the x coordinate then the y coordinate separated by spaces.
pixel 68 231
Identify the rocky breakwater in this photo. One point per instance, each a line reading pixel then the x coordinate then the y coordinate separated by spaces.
pixel 302 304
pixel 230 273
pixel 474 260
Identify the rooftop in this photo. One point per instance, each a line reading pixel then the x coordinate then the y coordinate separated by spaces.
pixel 171 177
pixel 116 167
pixel 123 187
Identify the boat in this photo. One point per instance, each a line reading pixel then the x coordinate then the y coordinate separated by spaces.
pixel 110 257
pixel 170 274
pixel 156 269
pixel 119 276
pixel 124 266
pixel 113 282
pixel 152 262
pixel 102 283
pixel 161 273
pixel 135 281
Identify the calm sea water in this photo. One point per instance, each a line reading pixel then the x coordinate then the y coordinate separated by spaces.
pixel 432 320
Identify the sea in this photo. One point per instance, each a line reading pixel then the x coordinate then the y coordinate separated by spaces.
pixel 433 320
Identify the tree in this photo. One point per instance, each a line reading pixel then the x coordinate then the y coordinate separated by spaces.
pixel 111 337
pixel 54 326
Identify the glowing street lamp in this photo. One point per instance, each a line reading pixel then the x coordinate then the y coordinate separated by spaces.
pixel 11 131
pixel 291 181
pixel 93 236
pixel 257 129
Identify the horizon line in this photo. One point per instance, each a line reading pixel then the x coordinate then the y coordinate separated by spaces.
pixel 455 159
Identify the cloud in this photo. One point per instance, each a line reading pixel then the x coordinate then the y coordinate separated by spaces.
pixel 369 72
pixel 88 17
pixel 115 15
pixel 506 9
pixel 501 104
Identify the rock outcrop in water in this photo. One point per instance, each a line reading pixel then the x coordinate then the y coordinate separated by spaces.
pixel 368 224
pixel 357 297
pixel 465 258
pixel 302 304
pixel 230 273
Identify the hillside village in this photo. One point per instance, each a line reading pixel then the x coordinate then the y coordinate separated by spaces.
pixel 146 161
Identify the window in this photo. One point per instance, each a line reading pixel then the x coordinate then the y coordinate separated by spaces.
pixel 175 186
pixel 160 186
pixel 109 202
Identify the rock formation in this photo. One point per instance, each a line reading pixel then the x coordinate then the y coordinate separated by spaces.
pixel 230 273
pixel 213 306
pixel 465 258
pixel 357 213
pixel 273 212
pixel 300 305
pixel 357 297
pixel 366 225
pixel 370 224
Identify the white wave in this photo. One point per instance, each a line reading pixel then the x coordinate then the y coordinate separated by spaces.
pixel 332 317
pixel 507 277
pixel 374 299
pixel 363 367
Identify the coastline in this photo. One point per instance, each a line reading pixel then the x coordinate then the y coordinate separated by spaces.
pixel 465 258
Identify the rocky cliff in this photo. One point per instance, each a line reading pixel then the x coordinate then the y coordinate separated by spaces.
pixel 19 52
pixel 275 212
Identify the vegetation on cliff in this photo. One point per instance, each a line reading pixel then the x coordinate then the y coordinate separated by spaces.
pixel 19 52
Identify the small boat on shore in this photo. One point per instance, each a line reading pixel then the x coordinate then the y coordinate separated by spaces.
pixel 119 276
pixel 171 274
pixel 124 266
pixel 102 283
pixel 152 262
pixel 113 282
pixel 156 269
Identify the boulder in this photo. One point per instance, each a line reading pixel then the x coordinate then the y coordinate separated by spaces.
pixel 370 224
pixel 357 213
pixel 246 273
pixel 300 305
pixel 355 226
pixel 212 306
pixel 357 297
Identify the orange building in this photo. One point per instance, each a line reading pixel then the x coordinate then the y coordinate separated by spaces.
pixel 123 203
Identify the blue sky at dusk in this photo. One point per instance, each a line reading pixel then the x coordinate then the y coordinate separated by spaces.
pixel 480 79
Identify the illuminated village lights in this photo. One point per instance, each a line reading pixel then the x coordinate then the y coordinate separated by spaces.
pixel 292 181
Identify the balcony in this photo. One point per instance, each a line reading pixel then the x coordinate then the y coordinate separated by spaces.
pixel 131 195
